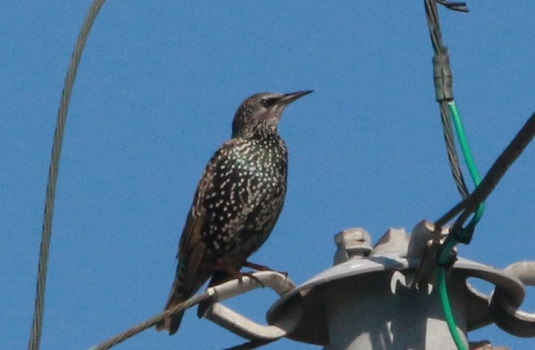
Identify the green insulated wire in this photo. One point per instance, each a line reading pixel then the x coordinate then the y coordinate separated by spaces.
pixel 470 163
pixel 444 77
pixel 446 306
pixel 476 178
pixel 483 190
pixel 466 232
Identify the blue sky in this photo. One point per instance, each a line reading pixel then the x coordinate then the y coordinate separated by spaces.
pixel 155 95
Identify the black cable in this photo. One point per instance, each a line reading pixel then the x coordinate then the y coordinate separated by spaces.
pixel 443 86
pixel 493 176
pixel 496 172
pixel 453 157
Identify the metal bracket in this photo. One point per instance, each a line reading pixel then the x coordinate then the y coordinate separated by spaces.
pixel 239 324
pixel 505 309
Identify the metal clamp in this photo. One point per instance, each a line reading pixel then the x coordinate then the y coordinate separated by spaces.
pixel 239 324
pixel 505 309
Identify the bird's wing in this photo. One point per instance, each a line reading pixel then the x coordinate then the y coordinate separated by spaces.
pixel 192 249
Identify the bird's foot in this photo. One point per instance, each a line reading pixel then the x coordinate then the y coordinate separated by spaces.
pixel 251 276
pixel 259 267
pixel 234 273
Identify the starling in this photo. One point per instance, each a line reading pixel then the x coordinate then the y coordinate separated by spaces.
pixel 237 203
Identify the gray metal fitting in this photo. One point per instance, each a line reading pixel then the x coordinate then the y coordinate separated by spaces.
pixel 352 243
pixel 367 300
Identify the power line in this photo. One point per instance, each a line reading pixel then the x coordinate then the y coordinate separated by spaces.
pixel 37 323
pixel 491 179
pixel 115 340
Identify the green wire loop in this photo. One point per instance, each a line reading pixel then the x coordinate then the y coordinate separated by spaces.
pixel 466 233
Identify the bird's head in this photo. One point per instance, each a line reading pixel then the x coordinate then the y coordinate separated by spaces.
pixel 260 113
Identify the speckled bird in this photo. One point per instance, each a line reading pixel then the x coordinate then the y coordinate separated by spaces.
pixel 237 202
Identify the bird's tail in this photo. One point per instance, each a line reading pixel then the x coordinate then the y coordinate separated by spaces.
pixel 177 296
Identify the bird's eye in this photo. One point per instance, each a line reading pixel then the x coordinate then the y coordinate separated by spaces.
pixel 266 102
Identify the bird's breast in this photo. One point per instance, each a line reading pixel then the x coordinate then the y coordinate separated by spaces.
pixel 246 196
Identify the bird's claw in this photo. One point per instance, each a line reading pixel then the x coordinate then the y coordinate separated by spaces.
pixel 251 276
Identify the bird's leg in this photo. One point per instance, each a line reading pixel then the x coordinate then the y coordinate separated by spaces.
pixel 259 267
pixel 235 273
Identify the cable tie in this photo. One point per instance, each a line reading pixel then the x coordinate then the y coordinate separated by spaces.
pixel 465 235
pixel 443 77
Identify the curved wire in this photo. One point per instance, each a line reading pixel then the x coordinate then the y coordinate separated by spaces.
pixel 467 153
pixel 496 171
pixel 470 204
pixel 445 253
pixel 446 307
pixel 444 94
pixel 37 323
pixel 464 234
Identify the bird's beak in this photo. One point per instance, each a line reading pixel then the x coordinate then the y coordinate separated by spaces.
pixel 289 98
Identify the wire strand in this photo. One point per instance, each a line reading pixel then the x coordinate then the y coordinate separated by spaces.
pixel 453 157
pixel 143 326
pixel 37 323
pixel 443 88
